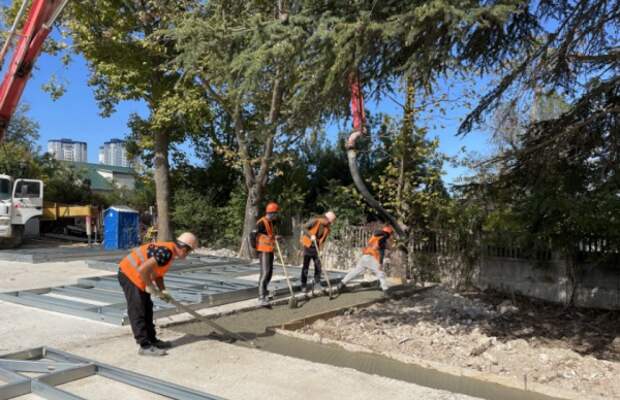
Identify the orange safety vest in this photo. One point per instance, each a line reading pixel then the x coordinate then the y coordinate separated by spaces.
pixel 373 248
pixel 305 239
pixel 265 243
pixel 138 256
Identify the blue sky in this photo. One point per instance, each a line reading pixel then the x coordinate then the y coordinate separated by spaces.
pixel 76 115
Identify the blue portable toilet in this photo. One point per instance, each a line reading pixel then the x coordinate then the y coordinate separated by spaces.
pixel 121 228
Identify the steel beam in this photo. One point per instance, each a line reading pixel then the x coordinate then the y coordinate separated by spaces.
pixel 134 379
pixel 16 385
pixel 69 368
pixel 14 389
pixel 30 354
pixel 33 366
pixel 51 393
pixel 78 371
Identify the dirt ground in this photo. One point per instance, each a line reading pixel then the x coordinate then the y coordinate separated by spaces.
pixel 572 349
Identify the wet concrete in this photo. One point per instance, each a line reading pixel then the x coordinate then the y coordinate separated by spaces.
pixel 255 324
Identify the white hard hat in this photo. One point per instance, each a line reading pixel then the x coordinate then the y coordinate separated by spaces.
pixel 188 239
pixel 331 216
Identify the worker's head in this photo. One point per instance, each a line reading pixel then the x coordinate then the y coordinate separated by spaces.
pixel 388 229
pixel 272 210
pixel 330 216
pixel 186 243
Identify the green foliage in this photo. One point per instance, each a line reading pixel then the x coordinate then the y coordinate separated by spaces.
pixel 346 202
pixel 410 184
pixel 193 212
pixel 141 198
pixel 18 161
pixel 64 183
pixel 22 129
pixel 231 219
pixel 216 226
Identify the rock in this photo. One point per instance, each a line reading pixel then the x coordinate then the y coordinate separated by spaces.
pixel 615 345
pixel 481 348
pixel 543 357
pixel 319 324
pixel 519 344
pixel 506 307
pixel 487 356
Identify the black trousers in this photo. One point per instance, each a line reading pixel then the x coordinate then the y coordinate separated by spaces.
pixel 266 271
pixel 310 254
pixel 140 312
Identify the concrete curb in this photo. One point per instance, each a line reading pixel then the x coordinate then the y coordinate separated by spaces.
pixel 456 372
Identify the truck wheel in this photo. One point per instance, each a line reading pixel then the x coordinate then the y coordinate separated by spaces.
pixel 18 236
pixel 15 240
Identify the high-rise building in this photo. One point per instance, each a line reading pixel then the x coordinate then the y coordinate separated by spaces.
pixel 68 150
pixel 113 152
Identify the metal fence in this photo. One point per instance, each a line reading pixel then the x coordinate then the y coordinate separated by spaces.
pixel 491 244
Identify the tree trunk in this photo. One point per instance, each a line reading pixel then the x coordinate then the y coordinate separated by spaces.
pixel 162 186
pixel 249 223
pixel 256 183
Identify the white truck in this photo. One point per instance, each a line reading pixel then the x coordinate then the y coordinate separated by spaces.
pixel 20 201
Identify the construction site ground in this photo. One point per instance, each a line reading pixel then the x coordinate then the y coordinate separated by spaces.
pixel 197 361
pixel 515 337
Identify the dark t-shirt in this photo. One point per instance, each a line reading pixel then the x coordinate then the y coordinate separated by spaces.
pixel 161 254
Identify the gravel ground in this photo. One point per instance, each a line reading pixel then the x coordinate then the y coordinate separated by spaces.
pixel 571 349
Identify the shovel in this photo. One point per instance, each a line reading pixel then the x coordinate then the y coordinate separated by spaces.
pixel 202 318
pixel 292 302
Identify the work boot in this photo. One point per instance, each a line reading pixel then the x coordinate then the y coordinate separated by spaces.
pixel 151 351
pixel 342 288
pixel 162 344
pixel 318 288
pixel 305 290
pixel 264 302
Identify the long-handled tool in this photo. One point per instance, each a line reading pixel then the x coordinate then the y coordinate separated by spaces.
pixel 202 318
pixel 329 284
pixel 292 302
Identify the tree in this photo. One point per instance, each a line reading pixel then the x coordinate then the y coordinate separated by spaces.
pixel 568 49
pixel 558 182
pixel 22 129
pixel 129 58
pixel 370 46
pixel 246 59
pixel 18 157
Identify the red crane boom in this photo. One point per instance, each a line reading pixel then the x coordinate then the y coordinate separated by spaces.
pixel 37 27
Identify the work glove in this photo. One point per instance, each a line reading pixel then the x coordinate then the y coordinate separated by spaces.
pixel 152 290
pixel 313 238
pixel 164 295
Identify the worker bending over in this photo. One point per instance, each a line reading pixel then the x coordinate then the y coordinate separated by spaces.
pixel 265 242
pixel 372 259
pixel 315 231
pixel 141 275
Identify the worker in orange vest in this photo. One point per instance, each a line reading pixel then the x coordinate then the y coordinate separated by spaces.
pixel 265 243
pixel 141 275
pixel 372 259
pixel 316 230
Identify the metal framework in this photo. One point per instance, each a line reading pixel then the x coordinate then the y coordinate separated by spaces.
pixel 199 283
pixel 58 368
pixel 59 254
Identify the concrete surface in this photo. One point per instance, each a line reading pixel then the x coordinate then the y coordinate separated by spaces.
pixel 22 276
pixel 225 370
